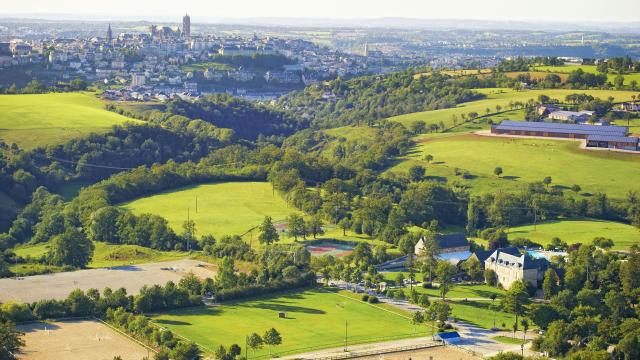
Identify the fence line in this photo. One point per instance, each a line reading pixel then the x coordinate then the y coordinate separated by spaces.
pixel 357 354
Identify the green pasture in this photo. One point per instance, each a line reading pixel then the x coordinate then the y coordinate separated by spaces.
pixel 579 231
pixel 230 208
pixel 523 161
pixel 588 69
pixel 502 97
pixel 107 255
pixel 463 291
pixel 42 119
pixel 315 319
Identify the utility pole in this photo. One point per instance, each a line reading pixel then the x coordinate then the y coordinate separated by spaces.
pixel 246 347
pixel 196 204
pixel 346 326
pixel 535 219
pixel 188 224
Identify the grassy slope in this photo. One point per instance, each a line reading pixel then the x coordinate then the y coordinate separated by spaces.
pixel 107 255
pixel 315 319
pixel 223 208
pixel 588 69
pixel 501 97
pixel 579 231
pixel 524 161
pixel 34 120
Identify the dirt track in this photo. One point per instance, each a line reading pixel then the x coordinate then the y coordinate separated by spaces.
pixel 132 278
pixel 78 340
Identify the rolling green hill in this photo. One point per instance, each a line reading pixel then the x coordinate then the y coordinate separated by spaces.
pixel 502 97
pixel 43 119
pixel 579 231
pixel 588 69
pixel 230 208
pixel 523 161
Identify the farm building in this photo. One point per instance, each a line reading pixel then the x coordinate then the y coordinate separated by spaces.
pixel 570 116
pixel 448 243
pixel 609 136
pixel 629 106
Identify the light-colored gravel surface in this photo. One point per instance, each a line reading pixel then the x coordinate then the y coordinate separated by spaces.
pixel 132 278
pixel 77 340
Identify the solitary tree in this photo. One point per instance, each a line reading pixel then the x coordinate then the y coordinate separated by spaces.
pixel 550 285
pixel 344 224
pixel 416 173
pixel 71 248
pixel 444 273
pixel 516 299
pixel 254 341
pixel 497 171
pixel 272 338
pixel 429 158
pixel 268 232
pixel 296 226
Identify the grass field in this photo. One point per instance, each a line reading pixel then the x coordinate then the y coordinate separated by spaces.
pixel 315 319
pixel 588 69
pixel 223 208
pixel 502 97
pixel 457 291
pixel 43 119
pixel 107 255
pixel 523 161
pixel 579 231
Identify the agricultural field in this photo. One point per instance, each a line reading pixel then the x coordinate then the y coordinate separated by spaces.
pixel 588 69
pixel 523 161
pixel 579 231
pixel 315 319
pixel 45 119
pixel 231 208
pixel 77 339
pixel 502 97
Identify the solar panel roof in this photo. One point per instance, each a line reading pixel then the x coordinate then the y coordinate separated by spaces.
pixel 563 128
pixel 624 139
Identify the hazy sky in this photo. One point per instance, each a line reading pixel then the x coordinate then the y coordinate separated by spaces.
pixel 540 10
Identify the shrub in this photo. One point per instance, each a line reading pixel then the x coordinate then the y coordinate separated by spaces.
pixel 365 297
pixel 373 300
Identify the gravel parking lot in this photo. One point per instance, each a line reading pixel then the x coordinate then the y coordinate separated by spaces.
pixel 132 278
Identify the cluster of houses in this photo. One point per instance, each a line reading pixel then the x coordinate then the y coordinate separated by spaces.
pixel 510 264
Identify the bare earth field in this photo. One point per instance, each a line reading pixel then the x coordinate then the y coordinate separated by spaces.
pixel 78 340
pixel 436 353
pixel 132 278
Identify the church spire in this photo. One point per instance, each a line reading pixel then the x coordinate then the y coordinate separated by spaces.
pixel 109 34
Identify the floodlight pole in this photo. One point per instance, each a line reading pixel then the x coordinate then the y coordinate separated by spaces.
pixel 196 204
pixel 189 225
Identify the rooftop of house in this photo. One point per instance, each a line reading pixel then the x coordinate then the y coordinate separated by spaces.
pixel 521 261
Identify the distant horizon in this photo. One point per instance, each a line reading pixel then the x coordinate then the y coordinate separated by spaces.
pixel 489 10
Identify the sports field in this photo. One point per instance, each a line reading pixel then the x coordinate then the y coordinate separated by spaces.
pixel 230 208
pixel 579 231
pixel 524 161
pixel 78 340
pixel 43 119
pixel 502 97
pixel 315 319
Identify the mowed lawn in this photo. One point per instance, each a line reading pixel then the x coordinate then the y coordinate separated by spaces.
pixel 524 161
pixel 230 208
pixel 579 231
pixel 315 318
pixel 502 97
pixel 32 120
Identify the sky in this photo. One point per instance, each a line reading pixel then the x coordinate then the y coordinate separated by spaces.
pixel 536 10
